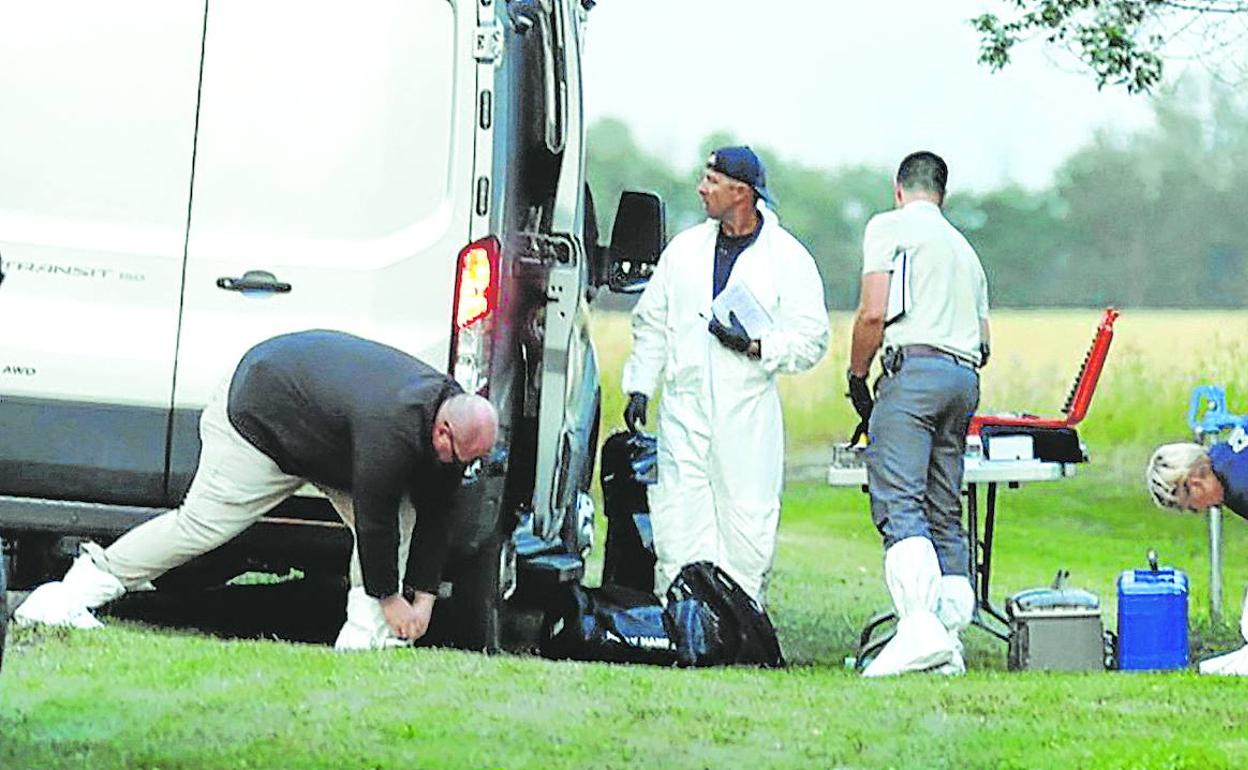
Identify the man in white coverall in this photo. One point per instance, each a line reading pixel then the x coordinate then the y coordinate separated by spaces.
pixel 721 436
pixel 925 298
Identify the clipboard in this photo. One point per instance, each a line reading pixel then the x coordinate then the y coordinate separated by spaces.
pixel 898 288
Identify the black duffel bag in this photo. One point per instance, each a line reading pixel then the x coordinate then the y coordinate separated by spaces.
pixel 716 623
pixel 709 621
pixel 628 467
pixel 614 623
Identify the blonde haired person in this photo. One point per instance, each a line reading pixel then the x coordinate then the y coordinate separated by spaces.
pixel 1191 477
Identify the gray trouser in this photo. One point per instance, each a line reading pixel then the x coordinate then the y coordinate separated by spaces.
pixel 234 485
pixel 914 460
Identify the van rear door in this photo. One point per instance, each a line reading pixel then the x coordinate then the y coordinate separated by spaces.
pixel 97 125
pixel 333 183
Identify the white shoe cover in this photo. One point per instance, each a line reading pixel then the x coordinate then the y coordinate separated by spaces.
pixel 366 627
pixel 956 605
pixel 52 605
pixel 922 642
pixel 956 665
pixel 956 610
pixel 1243 618
pixel 1231 664
pixel 69 602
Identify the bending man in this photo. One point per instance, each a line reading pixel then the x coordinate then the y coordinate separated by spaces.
pixel 925 298
pixel 1193 478
pixel 384 435
pixel 721 434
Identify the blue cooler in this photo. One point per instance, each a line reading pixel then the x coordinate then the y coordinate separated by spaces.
pixel 1152 618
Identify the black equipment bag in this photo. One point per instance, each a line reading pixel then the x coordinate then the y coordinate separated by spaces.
pixel 715 622
pixel 613 623
pixel 628 466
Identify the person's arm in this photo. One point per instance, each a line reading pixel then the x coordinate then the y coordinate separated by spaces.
pixel 426 557
pixel 985 334
pixel 879 247
pixel 985 342
pixel 375 495
pixel 800 337
pixel 868 322
pixel 378 485
pixel 648 358
pixel 380 477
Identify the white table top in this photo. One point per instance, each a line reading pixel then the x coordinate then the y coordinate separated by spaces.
pixel 978 471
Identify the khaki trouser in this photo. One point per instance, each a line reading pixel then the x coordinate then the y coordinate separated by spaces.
pixel 234 486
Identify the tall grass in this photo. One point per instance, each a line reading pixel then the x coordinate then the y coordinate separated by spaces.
pixel 1157 357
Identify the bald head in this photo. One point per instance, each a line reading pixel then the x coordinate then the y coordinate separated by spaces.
pixel 464 429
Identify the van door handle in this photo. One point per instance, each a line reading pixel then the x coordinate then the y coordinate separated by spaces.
pixel 254 280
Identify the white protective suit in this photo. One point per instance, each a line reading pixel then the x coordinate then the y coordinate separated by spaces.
pixel 721 435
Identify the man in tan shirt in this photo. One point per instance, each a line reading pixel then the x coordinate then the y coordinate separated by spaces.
pixel 925 300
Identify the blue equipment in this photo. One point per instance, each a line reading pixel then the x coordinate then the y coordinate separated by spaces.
pixel 1152 618
pixel 1216 417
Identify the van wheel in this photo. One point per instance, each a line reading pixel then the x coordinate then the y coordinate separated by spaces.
pixel 32 561
pixel 476 600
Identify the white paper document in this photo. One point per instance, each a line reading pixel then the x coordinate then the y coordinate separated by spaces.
pixel 738 298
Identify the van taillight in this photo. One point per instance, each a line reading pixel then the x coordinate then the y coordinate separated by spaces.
pixel 476 293
pixel 476 297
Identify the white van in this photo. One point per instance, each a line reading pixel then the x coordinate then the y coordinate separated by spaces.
pixel 180 179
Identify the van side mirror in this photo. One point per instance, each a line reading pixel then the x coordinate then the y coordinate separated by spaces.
pixel 637 238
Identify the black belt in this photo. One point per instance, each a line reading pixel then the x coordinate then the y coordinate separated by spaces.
pixel 894 356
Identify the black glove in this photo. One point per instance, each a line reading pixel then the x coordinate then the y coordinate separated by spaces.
pixel 635 412
pixel 733 336
pixel 860 396
pixel 859 432
pixel 984 351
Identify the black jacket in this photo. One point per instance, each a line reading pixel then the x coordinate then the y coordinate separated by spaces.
pixel 355 415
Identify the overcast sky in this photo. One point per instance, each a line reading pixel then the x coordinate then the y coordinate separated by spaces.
pixel 830 83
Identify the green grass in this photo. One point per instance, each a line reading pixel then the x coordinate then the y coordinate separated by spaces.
pixel 138 697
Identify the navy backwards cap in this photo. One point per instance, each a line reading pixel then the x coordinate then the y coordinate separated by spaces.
pixel 743 165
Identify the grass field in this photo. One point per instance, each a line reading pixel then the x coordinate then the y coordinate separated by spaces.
pixel 133 696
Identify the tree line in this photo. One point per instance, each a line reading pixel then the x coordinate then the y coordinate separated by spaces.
pixel 1155 218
